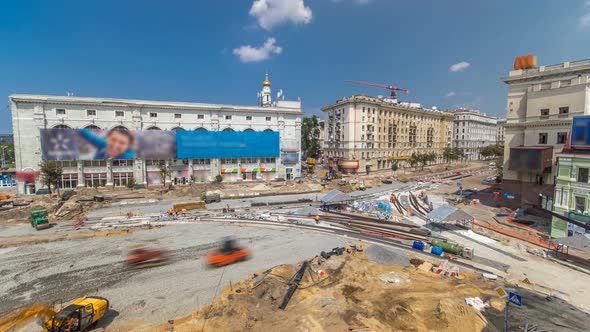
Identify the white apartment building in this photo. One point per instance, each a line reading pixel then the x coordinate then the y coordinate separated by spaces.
pixel 540 107
pixel 364 134
pixel 30 113
pixel 473 131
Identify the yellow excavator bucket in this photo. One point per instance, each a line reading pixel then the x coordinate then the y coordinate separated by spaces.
pixel 26 318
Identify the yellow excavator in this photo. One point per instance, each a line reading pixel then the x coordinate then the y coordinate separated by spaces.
pixel 75 317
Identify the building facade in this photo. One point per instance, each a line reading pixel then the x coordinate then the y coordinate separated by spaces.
pixel 500 132
pixel 541 103
pixel 364 134
pixel 6 138
pixel 473 131
pixel 31 113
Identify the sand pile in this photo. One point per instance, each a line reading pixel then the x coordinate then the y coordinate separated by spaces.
pixel 349 294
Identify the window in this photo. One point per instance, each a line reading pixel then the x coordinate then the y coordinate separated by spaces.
pixel 69 181
pixel 90 112
pixel 122 179
pixel 200 116
pixel 95 180
pixel 544 113
pixel 229 161
pixel 122 163
pixel 580 204
pixel 268 118
pixel 583 175
pixel 249 117
pixel 67 163
pixel 268 160
pixel 561 138
pixel 228 117
pixel 119 114
pixel 155 162
pixel 201 161
pixel 60 111
pixel 94 163
pixel 178 116
pixel 249 160
pixel 153 115
pixel 543 138
pixel 564 110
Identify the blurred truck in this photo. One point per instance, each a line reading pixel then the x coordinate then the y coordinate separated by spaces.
pixel 210 197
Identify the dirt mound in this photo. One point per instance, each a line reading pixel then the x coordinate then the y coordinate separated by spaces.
pixel 344 292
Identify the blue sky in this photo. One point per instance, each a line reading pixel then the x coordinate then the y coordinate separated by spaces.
pixel 198 50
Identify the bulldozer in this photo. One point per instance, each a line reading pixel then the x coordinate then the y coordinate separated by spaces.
pixel 228 253
pixel 76 317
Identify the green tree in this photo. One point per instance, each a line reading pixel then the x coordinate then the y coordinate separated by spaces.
pixel 310 136
pixel 51 173
pixel 448 154
pixel 165 173
pixel 7 154
pixel 394 167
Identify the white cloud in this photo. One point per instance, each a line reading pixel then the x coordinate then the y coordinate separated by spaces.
pixel 585 21
pixel 451 94
pixel 459 66
pixel 272 13
pixel 249 53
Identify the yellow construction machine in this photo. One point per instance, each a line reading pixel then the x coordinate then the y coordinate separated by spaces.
pixel 75 317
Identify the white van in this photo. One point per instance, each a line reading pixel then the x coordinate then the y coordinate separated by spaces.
pixel 492 166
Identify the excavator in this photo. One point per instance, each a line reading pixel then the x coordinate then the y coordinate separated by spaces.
pixel 77 316
pixel 228 253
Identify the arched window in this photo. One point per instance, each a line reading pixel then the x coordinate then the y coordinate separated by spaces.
pixel 228 129
pixel 154 128
pixel 268 130
pixel 93 128
pixel 249 129
pixel 201 129
pixel 177 128
pixel 62 126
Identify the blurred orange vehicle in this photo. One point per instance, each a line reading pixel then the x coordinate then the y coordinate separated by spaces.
pixel 229 253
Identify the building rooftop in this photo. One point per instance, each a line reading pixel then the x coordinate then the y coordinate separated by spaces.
pixel 568 67
pixel 386 102
pixel 284 106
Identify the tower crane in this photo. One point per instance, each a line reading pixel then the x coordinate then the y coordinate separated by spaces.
pixel 391 88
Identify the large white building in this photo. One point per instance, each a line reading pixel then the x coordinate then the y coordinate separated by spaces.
pixel 541 103
pixel 31 113
pixel 473 131
pixel 365 134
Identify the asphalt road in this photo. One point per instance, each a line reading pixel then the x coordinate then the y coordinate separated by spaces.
pixel 64 270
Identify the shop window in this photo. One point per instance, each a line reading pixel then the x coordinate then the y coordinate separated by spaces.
pixel 122 179
pixel 583 175
pixel 95 180
pixel 68 181
pixel 580 204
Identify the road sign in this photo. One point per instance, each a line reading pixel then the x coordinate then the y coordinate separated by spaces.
pixel 501 292
pixel 515 299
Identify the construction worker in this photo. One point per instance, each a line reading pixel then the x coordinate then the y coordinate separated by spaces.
pixel 317 219
pixel 184 212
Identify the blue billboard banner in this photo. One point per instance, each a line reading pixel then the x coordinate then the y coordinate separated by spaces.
pixel 226 144
pixel 289 158
pixel 581 131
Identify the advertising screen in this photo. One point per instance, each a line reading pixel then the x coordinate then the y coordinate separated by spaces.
pixel 226 144
pixel 580 131
pixel 121 143
pixel 117 143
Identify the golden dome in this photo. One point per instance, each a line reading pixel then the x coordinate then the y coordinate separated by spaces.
pixel 266 81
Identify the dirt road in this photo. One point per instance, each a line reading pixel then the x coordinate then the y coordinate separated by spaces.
pixel 61 271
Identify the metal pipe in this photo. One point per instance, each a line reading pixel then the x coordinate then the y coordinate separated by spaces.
pixel 293 285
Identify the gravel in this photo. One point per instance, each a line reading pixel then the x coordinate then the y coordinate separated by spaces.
pixel 62 271
pixel 387 256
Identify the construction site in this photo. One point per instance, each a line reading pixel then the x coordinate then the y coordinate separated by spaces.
pixel 411 255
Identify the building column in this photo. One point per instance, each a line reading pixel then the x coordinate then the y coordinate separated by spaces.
pixel 80 168
pixel 168 177
pixel 191 171
pixel 109 172
pixel 215 168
